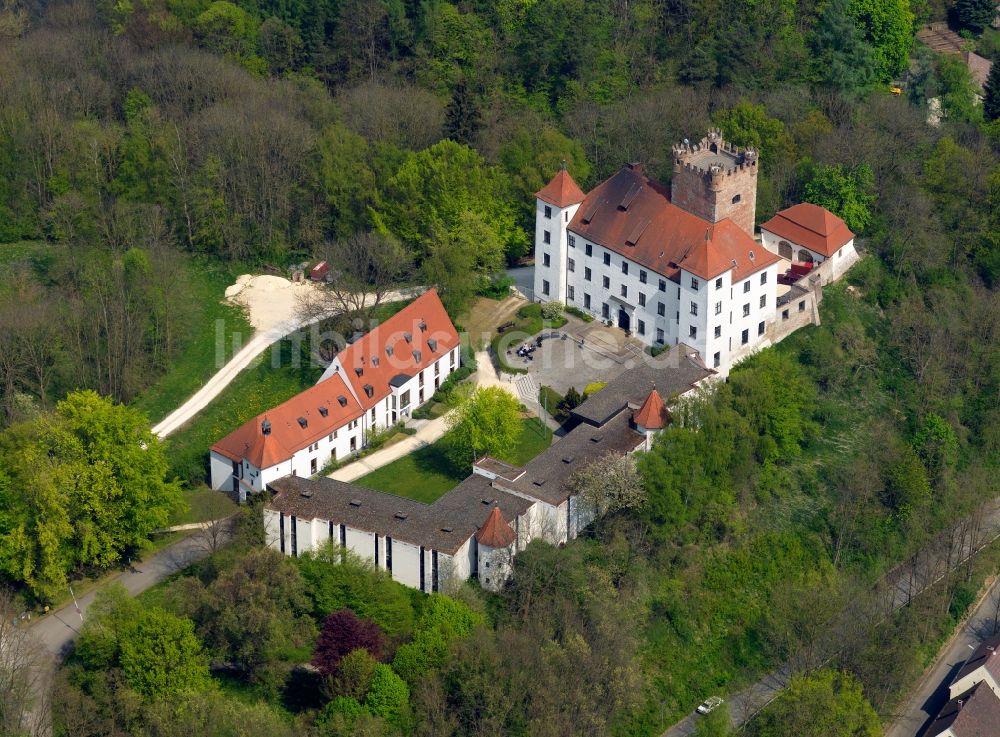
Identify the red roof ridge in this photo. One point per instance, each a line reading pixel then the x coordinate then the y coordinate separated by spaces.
pixel 653 415
pixel 561 190
pixel 495 532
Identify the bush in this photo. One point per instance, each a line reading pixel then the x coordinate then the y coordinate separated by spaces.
pixel 344 632
pixel 593 387
pixel 389 696
pixel 552 310
pixel 498 288
pixel 577 312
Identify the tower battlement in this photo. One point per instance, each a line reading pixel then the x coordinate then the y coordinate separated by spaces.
pixel 715 179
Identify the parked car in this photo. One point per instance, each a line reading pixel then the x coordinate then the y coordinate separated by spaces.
pixel 709 704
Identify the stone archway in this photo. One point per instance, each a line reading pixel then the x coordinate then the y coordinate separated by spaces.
pixel 805 257
pixel 785 250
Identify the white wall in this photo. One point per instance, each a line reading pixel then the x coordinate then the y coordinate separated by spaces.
pixel 494 566
pixel 220 471
pixel 750 323
pixel 406 563
pixel 979 674
pixel 555 272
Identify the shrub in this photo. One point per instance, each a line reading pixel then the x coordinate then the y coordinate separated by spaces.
pixel 344 632
pixel 552 310
pixel 389 696
pixel 577 312
pixel 593 387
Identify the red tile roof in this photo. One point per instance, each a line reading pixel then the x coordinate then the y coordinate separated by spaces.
pixel 632 215
pixel 979 67
pixel 561 191
pixel 653 415
pixel 384 353
pixel 287 434
pixel 811 226
pixel 975 713
pixel 495 532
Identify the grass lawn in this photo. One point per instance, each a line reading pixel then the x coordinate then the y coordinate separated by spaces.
pixel 427 474
pixel 257 388
pixel 200 357
pixel 203 504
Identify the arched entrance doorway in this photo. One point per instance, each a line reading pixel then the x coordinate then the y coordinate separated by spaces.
pixel 805 257
pixel 785 250
pixel 624 319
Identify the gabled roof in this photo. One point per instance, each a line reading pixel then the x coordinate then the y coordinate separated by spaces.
pixel 495 532
pixel 631 214
pixel 975 713
pixel 979 67
pixel 653 415
pixel 811 226
pixel 562 191
pixel 324 408
pixel 984 656
pixel 408 342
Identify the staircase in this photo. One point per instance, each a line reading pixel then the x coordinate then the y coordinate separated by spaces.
pixel 527 389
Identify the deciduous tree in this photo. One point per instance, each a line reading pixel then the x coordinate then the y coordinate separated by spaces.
pixel 486 423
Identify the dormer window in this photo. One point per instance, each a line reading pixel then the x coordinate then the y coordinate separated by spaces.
pixel 423 326
pixel 369 390
pixel 374 360
pixel 359 371
pixel 432 344
pixel 343 400
pixel 408 337
pixel 417 356
pixel 388 350
pixel 303 423
pixel 323 411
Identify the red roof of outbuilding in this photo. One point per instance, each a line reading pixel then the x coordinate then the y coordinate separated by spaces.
pixel 632 215
pixel 561 191
pixel 384 353
pixel 653 415
pixel 811 226
pixel 288 435
pixel 495 532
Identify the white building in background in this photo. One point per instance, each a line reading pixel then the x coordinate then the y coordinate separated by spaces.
pixel 679 264
pixel 810 234
pixel 372 384
pixel 476 529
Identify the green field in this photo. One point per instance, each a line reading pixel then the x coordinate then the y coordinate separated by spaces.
pixel 257 388
pixel 427 474
pixel 208 345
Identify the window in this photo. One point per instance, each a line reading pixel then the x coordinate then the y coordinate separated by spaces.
pixel 586 300
pixel 763 277
pixel 548 211
pixel 745 337
pixel 571 265
pixel 718 331
pixel 312 467
pixel 586 273
pixel 605 312
pixel 642 327
pixel 718 283
pixel 295 537
pixel 606 282
pixel 642 299
pixel 746 310
pixel 624 267
pixel 694 308
pixel 802 306
pixel 693 332
pixel 784 314
pixel 746 286
pixel 546 261
pixel 718 308
pixel 736 199
pixel 661 309
pixel 663 285
pixel 763 300
pixel 659 335
pixel 546 236
pixel 589 249
pixel 571 239
pixel 570 293
pixel 716 360
pixel 694 284
pixel 607 259
pixel 760 328
pixel 624 291
pixel 642 276
pixel 545 287
pixel 388 554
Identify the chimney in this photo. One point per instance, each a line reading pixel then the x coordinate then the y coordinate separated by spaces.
pixel 265 427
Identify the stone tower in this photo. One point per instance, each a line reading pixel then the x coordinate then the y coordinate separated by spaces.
pixel 715 180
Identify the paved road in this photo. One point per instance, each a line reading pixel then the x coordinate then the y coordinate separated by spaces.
pixel 261 341
pixel 56 631
pixel 893 592
pixel 932 692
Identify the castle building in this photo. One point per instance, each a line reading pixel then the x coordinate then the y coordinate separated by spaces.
pixel 477 528
pixel 679 264
pixel 372 384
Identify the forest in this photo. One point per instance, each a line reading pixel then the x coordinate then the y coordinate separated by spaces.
pixel 150 151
